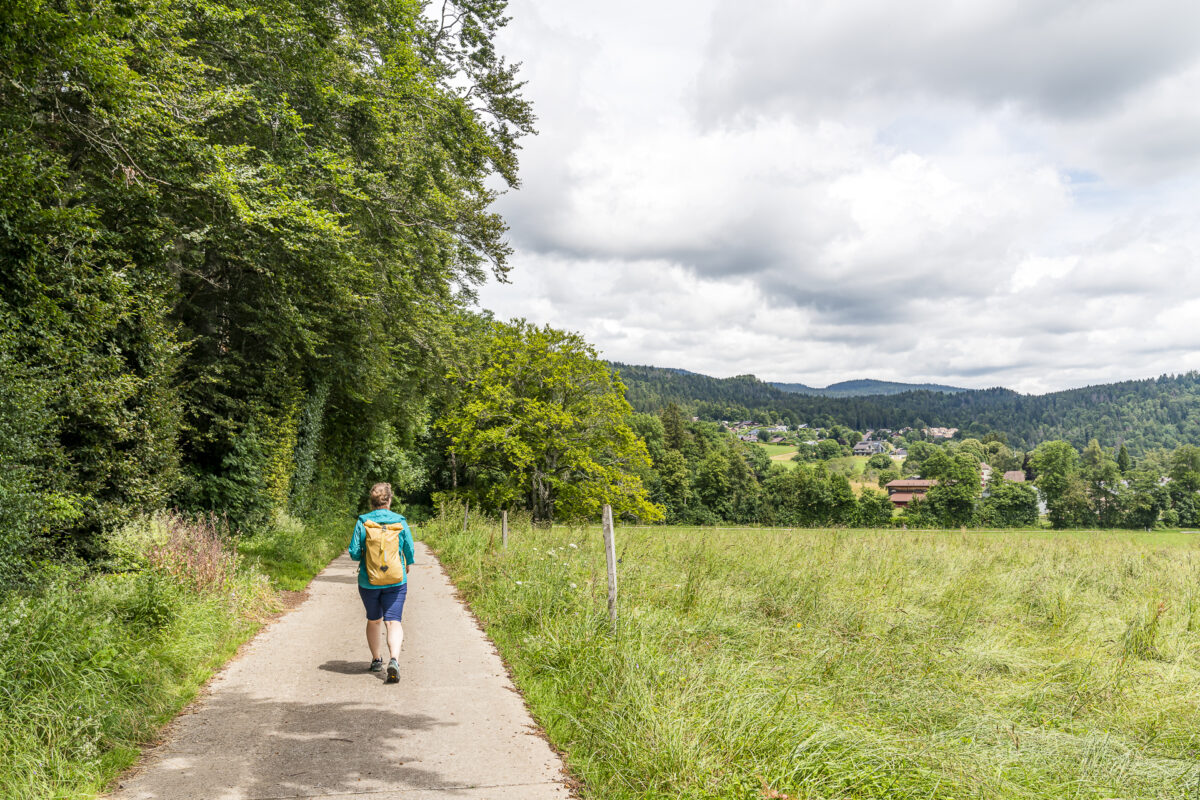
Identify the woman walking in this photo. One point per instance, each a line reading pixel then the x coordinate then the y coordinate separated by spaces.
pixel 383 546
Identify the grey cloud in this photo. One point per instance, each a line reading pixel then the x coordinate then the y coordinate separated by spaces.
pixel 1065 58
pixel 807 258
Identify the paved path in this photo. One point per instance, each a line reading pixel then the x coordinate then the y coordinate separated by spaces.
pixel 297 714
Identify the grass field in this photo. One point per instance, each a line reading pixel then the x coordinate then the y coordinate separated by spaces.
pixel 778 450
pixel 852 664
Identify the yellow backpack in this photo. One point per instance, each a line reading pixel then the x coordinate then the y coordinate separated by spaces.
pixel 385 564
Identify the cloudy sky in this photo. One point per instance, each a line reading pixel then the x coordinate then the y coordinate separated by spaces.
pixel 974 192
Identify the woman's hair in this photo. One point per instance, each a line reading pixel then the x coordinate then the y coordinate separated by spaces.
pixel 381 495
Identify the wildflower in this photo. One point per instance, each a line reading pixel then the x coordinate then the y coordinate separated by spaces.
pixel 572 544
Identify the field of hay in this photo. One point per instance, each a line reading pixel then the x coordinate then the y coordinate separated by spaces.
pixel 753 663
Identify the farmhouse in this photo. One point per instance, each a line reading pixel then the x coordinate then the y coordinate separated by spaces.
pixel 901 492
pixel 867 448
pixel 1015 475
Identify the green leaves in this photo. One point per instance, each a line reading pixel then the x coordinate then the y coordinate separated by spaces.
pixel 212 213
pixel 545 426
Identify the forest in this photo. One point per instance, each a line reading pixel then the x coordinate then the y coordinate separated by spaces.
pixel 1142 415
pixel 240 247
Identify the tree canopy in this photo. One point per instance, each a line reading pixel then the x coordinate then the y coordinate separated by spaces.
pixel 235 239
pixel 545 426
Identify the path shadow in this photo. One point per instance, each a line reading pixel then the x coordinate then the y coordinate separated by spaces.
pixel 347 668
pixel 272 749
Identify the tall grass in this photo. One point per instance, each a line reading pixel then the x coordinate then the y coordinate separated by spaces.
pixel 293 551
pixel 93 664
pixel 852 664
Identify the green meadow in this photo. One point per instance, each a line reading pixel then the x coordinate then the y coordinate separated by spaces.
pixel 752 663
pixel 775 450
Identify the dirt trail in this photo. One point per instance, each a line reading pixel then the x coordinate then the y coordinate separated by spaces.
pixel 297 715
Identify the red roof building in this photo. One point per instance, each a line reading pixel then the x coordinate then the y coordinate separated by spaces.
pixel 901 492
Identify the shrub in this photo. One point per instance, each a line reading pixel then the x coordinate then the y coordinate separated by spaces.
pixel 195 552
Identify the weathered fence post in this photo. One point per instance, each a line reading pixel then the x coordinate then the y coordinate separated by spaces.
pixel 504 528
pixel 610 555
pixel 466 513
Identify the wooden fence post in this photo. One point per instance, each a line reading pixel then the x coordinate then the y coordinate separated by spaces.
pixel 504 528
pixel 610 555
pixel 466 513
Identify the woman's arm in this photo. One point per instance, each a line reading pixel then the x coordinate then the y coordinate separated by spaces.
pixel 356 541
pixel 406 545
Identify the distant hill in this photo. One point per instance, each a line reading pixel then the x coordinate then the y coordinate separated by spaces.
pixel 865 388
pixel 1143 414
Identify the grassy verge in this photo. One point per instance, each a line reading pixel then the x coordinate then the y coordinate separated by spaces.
pixel 852 664
pixel 92 665
pixel 293 552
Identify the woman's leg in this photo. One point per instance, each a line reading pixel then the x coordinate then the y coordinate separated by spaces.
pixel 374 630
pixel 395 634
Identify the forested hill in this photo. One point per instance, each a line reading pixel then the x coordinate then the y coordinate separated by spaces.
pixel 1142 414
pixel 859 388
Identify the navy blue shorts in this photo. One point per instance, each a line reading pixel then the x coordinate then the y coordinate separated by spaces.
pixel 387 602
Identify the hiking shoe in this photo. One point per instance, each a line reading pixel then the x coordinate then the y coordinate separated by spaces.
pixel 393 671
pixel 376 665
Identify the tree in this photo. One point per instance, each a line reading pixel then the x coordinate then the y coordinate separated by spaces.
pixel 1145 501
pixel 828 448
pixel 1056 468
pixel 1185 483
pixel 917 453
pixel 712 484
pixel 676 485
pixel 674 431
pixel 810 495
pixel 546 425
pixel 880 461
pixel 1009 505
pixel 1104 486
pixel 1124 462
pixel 952 500
pixel 874 510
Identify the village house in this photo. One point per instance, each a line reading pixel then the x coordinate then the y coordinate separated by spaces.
pixel 1015 475
pixel 868 448
pixel 901 492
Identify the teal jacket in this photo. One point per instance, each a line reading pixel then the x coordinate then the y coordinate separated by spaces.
pixel 383 516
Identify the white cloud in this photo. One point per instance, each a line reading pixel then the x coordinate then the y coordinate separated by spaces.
pixel 978 194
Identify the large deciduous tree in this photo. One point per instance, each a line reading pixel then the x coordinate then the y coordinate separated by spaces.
pixel 545 426
pixel 1057 476
pixel 953 499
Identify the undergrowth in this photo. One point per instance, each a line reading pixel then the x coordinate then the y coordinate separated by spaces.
pixel 851 664
pixel 293 552
pixel 92 664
